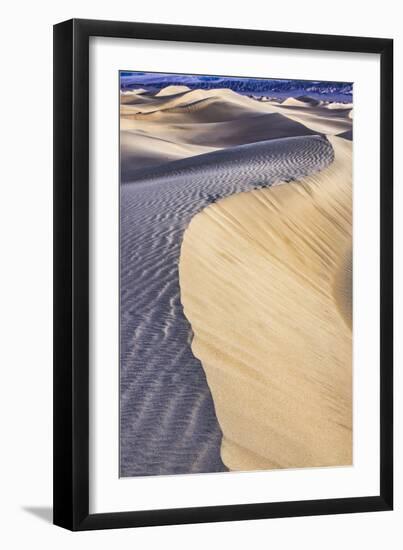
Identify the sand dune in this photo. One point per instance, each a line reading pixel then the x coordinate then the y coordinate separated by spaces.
pixel 153 103
pixel 166 128
pixel 133 91
pixel 158 142
pixel 168 421
pixel 161 103
pixel 132 98
pixel 209 109
pixel 268 296
pixel 152 150
pixel 177 123
pixel 172 90
pixel 182 150
pixel 318 118
pixel 298 102
pixel 342 106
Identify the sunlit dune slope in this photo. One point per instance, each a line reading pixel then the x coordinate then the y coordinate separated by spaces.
pixel 265 281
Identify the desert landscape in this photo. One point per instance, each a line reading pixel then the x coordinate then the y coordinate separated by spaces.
pixel 235 262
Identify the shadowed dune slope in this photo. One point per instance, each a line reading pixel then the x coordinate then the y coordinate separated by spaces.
pixel 265 281
pixel 347 135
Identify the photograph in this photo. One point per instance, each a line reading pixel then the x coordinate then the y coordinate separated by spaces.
pixel 200 219
pixel 235 273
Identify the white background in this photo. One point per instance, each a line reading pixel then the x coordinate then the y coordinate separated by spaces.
pixel 26 225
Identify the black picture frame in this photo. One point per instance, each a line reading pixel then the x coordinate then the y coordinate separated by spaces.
pixel 71 274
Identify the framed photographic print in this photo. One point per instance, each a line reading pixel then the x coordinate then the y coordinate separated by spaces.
pixel 223 274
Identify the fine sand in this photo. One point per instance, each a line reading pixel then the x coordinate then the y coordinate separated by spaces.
pixel 265 280
pixel 178 123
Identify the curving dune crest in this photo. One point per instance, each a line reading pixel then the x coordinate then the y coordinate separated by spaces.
pixel 172 90
pixel 168 421
pixel 268 296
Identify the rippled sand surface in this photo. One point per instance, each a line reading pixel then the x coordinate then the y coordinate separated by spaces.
pixel 265 281
pixel 168 420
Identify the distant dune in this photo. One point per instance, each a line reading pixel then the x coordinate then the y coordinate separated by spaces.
pixel 319 118
pixel 172 90
pixel 296 102
pixel 133 91
pixel 265 281
pixel 340 106
pixel 135 97
pixel 177 123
